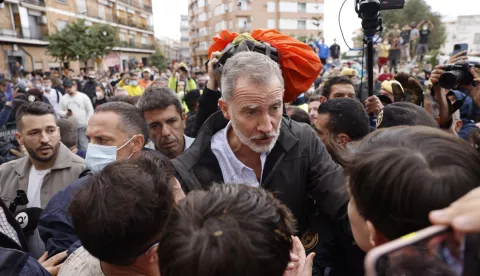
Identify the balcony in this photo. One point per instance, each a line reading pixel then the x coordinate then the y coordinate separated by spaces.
pixel 27 36
pixel 35 2
pixel 148 8
pixel 134 45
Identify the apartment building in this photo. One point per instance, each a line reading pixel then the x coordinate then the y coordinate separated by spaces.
pixel 184 40
pixel 301 18
pixel 462 29
pixel 25 23
pixel 171 49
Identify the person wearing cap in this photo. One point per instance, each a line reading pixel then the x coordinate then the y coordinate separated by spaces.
pixel 90 85
pixel 388 89
pixel 349 72
pixel 145 81
pixel 133 88
pixel 404 114
pixel 184 73
pixel 79 106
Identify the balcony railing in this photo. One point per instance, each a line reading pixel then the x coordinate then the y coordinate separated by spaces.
pixel 35 2
pixel 132 44
pixel 20 34
pixel 136 4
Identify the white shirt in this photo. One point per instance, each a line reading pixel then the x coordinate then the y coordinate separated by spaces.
pixel 233 170
pixel 80 105
pixel 188 142
pixel 80 262
pixel 54 101
pixel 35 181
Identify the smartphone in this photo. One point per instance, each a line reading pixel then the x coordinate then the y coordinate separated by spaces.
pixel 457 48
pixel 432 251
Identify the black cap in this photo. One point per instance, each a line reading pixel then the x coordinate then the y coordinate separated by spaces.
pixel 67 83
pixel 404 114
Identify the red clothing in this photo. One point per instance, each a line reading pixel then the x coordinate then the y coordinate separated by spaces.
pixel 383 77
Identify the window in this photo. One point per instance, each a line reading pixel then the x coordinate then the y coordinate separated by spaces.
pixel 288 7
pixel 271 7
pixel 81 6
pixel 476 39
pixel 302 7
pixel 202 17
pixel 144 40
pixel 61 24
pixel 315 8
pixel 201 3
pixel 288 24
pixel 203 46
pixel 219 10
pixel 302 25
pixel 101 11
pixel 271 24
pixel 122 37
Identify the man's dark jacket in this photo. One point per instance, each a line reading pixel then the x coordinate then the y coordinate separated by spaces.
pixel 90 88
pixel 298 165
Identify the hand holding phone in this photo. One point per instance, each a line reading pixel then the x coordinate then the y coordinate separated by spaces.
pixel 462 47
pixel 432 251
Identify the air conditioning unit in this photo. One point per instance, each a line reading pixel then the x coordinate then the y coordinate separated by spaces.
pixel 43 20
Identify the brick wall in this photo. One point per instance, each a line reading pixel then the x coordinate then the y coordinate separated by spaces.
pixel 5 18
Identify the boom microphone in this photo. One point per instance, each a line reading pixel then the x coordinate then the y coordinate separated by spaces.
pixel 28 219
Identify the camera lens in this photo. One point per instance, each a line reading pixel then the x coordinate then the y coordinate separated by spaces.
pixel 451 80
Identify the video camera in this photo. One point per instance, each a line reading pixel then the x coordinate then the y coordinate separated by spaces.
pixel 457 74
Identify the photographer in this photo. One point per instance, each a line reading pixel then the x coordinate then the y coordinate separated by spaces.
pixel 469 94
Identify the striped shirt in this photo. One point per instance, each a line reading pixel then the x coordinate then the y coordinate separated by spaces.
pixel 233 171
pixel 6 228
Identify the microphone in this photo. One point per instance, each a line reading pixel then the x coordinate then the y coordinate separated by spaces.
pixel 28 219
pixel 20 199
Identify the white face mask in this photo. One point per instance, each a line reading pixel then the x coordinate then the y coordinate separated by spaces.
pixel 99 156
pixel 99 95
pixel 425 28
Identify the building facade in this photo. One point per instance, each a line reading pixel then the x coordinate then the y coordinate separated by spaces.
pixel 302 18
pixel 185 40
pixel 25 23
pixel 170 48
pixel 463 29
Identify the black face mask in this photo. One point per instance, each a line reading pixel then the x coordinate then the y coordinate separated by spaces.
pixel 91 79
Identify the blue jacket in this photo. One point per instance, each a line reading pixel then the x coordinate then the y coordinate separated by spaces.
pixel 15 262
pixel 55 224
pixel 323 50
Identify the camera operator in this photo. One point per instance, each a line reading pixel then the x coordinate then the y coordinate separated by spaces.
pixel 469 93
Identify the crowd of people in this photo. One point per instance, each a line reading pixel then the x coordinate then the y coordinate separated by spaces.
pixel 181 173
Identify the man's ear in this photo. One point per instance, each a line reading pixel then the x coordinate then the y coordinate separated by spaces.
pixel 342 139
pixel 323 99
pixel 224 108
pixel 138 143
pixel 376 237
pixel 19 138
pixel 152 255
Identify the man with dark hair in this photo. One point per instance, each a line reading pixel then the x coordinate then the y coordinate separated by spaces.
pixel 337 87
pixel 313 104
pixel 69 136
pixel 233 230
pixel 120 235
pixel 404 114
pixel 191 100
pixel 49 165
pixel 163 113
pixel 298 115
pixel 397 176
pixel 341 121
pixel 116 131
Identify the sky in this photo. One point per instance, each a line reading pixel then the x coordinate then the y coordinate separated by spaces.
pixel 167 16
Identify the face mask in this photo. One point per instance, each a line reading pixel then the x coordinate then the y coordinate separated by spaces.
pixel 38 85
pixel 133 83
pixel 47 87
pixel 99 95
pixel 99 156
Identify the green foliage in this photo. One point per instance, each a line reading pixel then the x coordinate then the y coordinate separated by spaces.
pixel 416 11
pixel 158 60
pixel 78 41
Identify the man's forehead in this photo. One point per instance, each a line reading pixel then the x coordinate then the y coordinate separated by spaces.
pixel 162 114
pixel 38 121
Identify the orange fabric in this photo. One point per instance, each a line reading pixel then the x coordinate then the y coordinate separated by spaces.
pixel 143 83
pixel 300 65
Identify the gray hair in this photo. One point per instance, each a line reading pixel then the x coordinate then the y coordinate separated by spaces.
pixel 257 67
pixel 130 118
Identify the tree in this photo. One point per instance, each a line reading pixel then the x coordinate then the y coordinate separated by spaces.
pixel 77 41
pixel 158 60
pixel 416 11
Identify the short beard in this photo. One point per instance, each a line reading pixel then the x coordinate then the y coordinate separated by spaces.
pixel 34 155
pixel 249 143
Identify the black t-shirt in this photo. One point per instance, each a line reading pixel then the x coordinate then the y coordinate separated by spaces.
pixel 424 36
pixel 405 35
pixel 335 51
